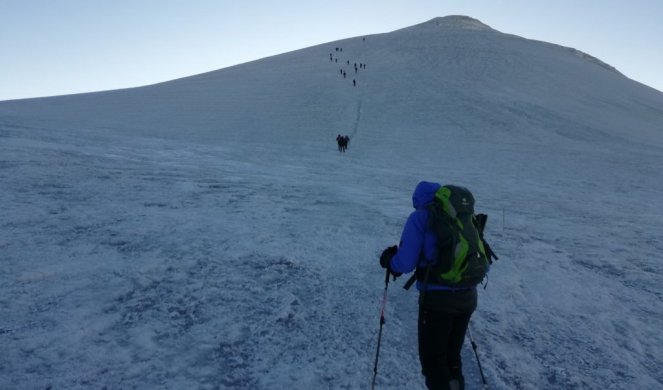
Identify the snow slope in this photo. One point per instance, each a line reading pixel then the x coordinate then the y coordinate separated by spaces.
pixel 205 233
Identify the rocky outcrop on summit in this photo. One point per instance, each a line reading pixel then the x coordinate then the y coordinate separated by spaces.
pixel 452 22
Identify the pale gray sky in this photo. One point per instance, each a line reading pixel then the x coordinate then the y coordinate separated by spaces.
pixel 68 46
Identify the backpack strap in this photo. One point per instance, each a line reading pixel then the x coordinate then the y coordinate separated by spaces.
pixel 481 220
pixel 410 281
pixel 414 277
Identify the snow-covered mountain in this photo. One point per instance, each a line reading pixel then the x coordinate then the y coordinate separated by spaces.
pixel 205 233
pixel 451 72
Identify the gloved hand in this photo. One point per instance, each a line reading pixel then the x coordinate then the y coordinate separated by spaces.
pixel 387 254
pixel 385 259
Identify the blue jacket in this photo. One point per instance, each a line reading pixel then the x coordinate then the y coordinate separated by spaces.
pixel 417 246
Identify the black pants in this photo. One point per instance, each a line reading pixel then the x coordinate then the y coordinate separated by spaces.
pixel 443 320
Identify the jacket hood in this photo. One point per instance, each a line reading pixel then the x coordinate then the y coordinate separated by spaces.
pixel 424 193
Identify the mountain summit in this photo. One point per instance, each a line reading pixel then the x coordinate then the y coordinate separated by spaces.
pixel 458 22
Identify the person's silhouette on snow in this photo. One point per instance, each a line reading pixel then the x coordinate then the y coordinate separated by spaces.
pixel 342 141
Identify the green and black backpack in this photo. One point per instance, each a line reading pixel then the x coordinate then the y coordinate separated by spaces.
pixel 462 257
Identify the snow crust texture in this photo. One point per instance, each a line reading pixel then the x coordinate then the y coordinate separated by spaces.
pixel 205 233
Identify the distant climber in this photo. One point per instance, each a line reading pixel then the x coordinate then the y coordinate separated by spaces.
pixel 342 141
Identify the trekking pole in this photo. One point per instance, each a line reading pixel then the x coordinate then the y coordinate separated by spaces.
pixel 474 347
pixel 377 353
